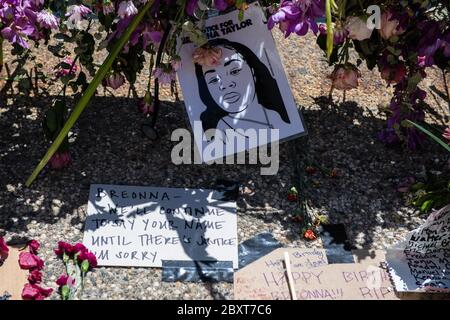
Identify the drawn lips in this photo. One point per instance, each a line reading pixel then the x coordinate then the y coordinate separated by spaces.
pixel 231 97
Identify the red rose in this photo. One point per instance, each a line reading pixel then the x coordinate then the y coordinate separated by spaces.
pixel 89 256
pixel 310 170
pixel 34 246
pixel 35 292
pixel 309 235
pixel 35 276
pixel 29 261
pixel 292 197
pixel 334 173
pixel 64 280
pixel 4 250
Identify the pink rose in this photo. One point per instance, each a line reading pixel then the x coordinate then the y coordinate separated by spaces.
pixel 29 261
pixel 35 292
pixel 4 250
pixel 207 57
pixel 389 26
pixel 35 276
pixel 115 80
pixel 65 280
pixel 60 160
pixel 345 77
pixel 34 246
pixel 89 256
pixel 357 29
pixel 446 134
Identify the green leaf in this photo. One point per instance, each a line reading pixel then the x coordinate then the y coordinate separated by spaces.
pixel 428 133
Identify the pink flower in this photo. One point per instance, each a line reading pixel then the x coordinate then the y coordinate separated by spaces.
pixel 47 19
pixel 64 247
pixel 446 134
pixel 146 108
pixel 88 256
pixel 68 249
pixel 29 261
pixel 108 8
pixel 34 246
pixel 393 73
pixel 207 57
pixel 35 276
pixel 64 280
pixel 65 69
pixel 164 75
pixel 76 13
pixel 345 77
pixel 389 26
pixel 115 80
pixel 60 160
pixel 126 9
pixel 79 247
pixel 35 292
pixel 357 29
pixel 4 250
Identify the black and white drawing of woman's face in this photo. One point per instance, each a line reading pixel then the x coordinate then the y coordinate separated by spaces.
pixel 231 82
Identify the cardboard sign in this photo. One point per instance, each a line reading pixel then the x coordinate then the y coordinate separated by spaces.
pixel 422 262
pixel 246 92
pixel 314 278
pixel 12 278
pixel 141 226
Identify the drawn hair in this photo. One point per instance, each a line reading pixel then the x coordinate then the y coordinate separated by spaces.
pixel 266 88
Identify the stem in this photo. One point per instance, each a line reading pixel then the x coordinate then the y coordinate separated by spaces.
pixel 446 87
pixel 1 53
pixel 158 62
pixel 330 36
pixel 90 91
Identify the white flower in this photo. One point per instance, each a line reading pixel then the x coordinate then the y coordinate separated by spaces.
pixel 357 29
pixel 126 9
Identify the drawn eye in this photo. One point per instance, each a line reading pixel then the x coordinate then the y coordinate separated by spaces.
pixel 213 81
pixel 235 72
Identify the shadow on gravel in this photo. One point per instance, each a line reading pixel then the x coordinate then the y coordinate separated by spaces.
pixel 108 147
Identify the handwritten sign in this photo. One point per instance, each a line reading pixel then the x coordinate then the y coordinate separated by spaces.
pixel 141 226
pixel 314 278
pixel 422 261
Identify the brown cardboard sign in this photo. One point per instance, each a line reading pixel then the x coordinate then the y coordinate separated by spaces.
pixel 314 278
pixel 12 278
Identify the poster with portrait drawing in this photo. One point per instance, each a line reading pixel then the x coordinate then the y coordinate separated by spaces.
pixel 246 89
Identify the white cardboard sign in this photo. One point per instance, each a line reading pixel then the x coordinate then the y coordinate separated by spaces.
pixel 141 226
pixel 422 262
pixel 246 93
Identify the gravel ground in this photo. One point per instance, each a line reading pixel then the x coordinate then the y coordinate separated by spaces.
pixel 109 148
